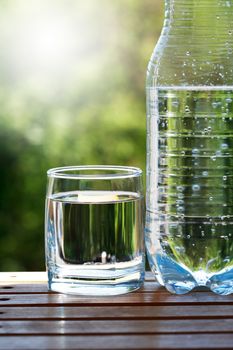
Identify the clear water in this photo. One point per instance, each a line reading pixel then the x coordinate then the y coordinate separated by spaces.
pixel 189 225
pixel 95 242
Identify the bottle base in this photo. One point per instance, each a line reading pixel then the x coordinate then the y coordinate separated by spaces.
pixel 179 279
pixel 184 288
pixel 221 283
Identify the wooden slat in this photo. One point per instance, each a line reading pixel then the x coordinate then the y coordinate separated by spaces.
pixel 24 277
pixel 166 341
pixel 131 298
pixel 11 288
pixel 116 327
pixel 26 288
pixel 115 312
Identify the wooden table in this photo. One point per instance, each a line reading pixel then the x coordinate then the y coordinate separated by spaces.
pixel 151 318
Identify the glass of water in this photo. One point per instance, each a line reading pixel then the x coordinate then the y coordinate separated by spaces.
pixel 94 230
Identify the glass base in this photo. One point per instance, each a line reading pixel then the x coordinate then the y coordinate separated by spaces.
pixel 92 290
pixel 96 280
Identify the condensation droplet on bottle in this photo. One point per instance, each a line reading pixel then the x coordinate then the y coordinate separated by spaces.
pixel 188 236
pixel 175 103
pixel 180 209
pixel 224 145
pixel 213 158
pixel 215 104
pixel 210 198
pixel 202 233
pixel 224 178
pixel 180 188
pixel 230 32
pixel 228 100
pixel 196 188
pixel 180 250
pixel 195 151
pixel 205 173
pixel 188 53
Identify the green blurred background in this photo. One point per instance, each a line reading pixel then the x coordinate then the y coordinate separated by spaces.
pixel 72 92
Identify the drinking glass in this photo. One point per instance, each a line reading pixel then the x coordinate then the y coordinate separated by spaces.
pixel 94 234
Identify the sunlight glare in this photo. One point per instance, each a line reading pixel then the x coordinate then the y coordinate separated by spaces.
pixel 49 43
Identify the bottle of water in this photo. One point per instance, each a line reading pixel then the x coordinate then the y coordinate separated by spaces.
pixel 189 224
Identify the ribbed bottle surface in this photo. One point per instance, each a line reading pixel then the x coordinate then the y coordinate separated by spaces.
pixel 195 46
pixel 189 225
pixel 190 189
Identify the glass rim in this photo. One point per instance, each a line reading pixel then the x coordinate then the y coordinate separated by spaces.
pixel 101 172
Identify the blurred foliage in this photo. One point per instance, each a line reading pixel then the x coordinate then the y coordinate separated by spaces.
pixel 88 108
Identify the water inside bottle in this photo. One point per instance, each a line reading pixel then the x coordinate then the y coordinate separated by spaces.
pixel 190 187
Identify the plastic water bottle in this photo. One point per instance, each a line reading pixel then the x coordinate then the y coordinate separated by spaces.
pixel 189 224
